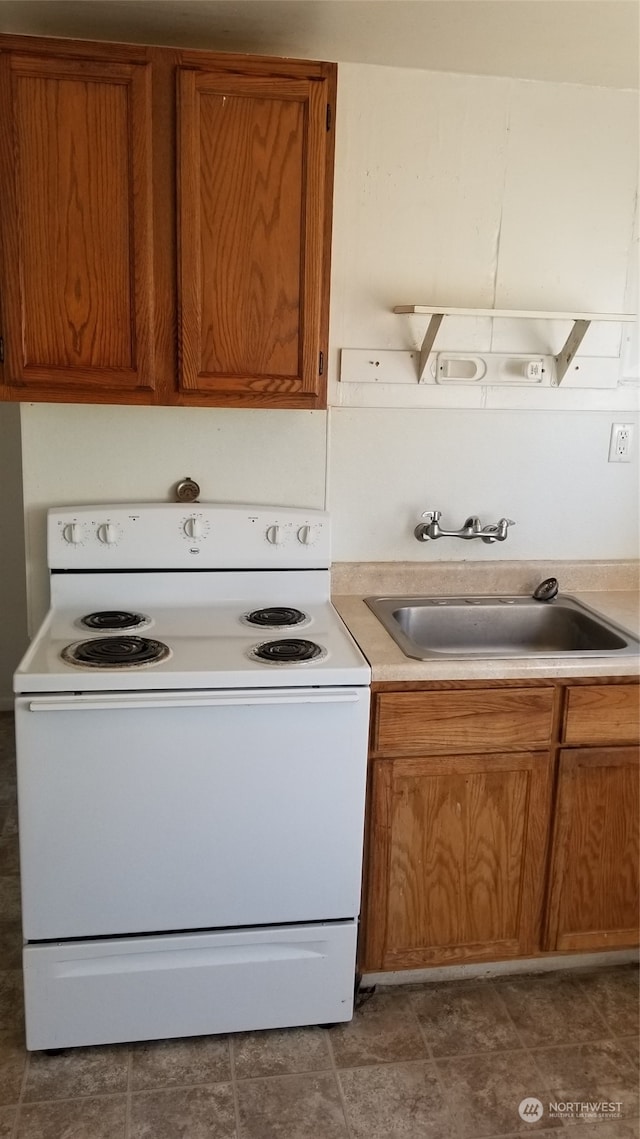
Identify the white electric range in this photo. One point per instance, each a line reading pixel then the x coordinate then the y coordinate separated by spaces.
pixel 191 723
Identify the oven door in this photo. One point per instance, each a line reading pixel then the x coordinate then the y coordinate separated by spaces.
pixel 191 810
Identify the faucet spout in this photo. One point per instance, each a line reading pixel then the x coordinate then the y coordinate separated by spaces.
pixel 471 529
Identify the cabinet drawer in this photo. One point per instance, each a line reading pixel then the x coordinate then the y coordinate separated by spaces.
pixel 479 720
pixel 598 713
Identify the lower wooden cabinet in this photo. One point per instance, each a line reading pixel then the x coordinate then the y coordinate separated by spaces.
pixel 457 858
pixel 483 848
pixel 593 885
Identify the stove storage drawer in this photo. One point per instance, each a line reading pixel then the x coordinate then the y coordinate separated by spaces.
pixel 101 992
pixel 146 812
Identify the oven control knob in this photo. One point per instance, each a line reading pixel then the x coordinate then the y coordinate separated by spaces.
pixel 307 535
pixel 73 533
pixel 108 534
pixel 275 535
pixel 193 527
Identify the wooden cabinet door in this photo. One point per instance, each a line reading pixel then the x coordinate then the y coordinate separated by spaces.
pixel 593 899
pixel 457 855
pixel 76 222
pixel 254 152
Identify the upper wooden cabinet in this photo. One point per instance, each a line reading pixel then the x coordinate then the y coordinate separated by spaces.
pixel 252 154
pixel 76 224
pixel 165 219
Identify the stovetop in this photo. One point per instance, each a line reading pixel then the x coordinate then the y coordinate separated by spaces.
pixel 189 626
pixel 208 648
pixel 210 644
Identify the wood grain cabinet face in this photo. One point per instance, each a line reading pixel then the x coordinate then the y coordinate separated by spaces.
pixel 165 222
pixel 594 886
pixel 76 213
pixel 598 713
pixel 457 859
pixel 493 830
pixel 479 720
pixel 252 161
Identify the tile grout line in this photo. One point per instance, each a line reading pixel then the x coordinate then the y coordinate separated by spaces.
pixel 526 1047
pixel 127 1112
pixel 453 1056
pixel 628 1051
pixel 182 1087
pixel 336 1076
pixel 501 1001
pixel 592 1003
pixel 443 1091
pixel 234 1083
pixel 23 1086
pixel 81 1099
pixel 532 1050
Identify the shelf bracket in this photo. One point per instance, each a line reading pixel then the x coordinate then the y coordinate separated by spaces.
pixel 568 351
pixel 581 323
pixel 427 343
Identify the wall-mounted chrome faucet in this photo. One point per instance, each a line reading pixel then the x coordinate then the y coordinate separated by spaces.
pixel 473 528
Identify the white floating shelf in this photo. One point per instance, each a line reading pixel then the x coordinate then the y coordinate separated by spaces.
pixel 581 322
pixel 524 314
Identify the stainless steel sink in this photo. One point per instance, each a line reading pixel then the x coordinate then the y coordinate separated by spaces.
pixel 430 628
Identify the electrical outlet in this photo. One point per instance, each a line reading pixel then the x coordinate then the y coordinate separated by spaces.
pixel 620 444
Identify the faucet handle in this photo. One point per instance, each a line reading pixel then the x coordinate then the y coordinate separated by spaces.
pixel 432 515
pixel 503 527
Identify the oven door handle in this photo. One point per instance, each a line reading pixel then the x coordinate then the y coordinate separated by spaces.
pixel 106 703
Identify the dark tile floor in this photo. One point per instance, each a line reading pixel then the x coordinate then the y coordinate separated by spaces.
pixel 445 1061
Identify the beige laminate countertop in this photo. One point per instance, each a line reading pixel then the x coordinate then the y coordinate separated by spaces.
pixel 389 663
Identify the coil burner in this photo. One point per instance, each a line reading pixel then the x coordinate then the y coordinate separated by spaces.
pixel 290 650
pixel 276 617
pixel 114 619
pixel 115 652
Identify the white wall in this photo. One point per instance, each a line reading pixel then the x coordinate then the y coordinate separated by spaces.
pixel 13 616
pixel 80 454
pixel 570 41
pixel 469 191
pixel 457 190
pixel 547 471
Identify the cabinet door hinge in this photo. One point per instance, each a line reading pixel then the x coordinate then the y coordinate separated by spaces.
pixel 1 350
pixel 321 364
pixel 328 116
